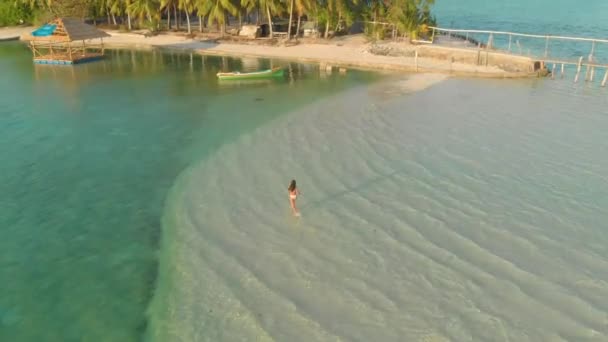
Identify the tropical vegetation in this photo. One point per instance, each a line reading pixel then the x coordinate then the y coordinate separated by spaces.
pixel 379 17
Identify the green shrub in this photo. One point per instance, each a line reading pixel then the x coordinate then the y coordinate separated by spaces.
pixel 14 14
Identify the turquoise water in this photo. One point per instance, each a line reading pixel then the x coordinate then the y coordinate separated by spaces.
pixel 561 17
pixel 140 199
pixel 88 155
pixel 471 210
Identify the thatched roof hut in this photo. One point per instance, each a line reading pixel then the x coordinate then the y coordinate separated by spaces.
pixel 52 43
pixel 67 30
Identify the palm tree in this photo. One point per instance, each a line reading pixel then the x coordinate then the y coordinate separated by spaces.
pixel 128 10
pixel 407 15
pixel 272 6
pixel 290 19
pixel 302 6
pixel 111 8
pixel 144 8
pixel 216 11
pixel 188 7
pixel 268 6
pixel 116 8
pixel 248 6
pixel 167 5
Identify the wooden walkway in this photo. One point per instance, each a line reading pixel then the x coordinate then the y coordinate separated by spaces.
pixel 590 62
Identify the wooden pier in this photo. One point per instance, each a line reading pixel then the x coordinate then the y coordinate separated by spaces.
pixel 590 64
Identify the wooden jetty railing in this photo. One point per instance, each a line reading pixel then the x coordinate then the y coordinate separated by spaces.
pixel 591 63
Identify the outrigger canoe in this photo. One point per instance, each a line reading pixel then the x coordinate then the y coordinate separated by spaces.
pixel 275 72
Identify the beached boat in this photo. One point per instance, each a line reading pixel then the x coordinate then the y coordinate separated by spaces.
pixel 274 72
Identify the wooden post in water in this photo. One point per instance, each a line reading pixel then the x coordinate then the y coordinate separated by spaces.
pixel 478 53
pixel 488 47
pixel 562 70
pixel 546 46
pixel 510 37
pixel 553 72
pixel 519 46
pixel 578 69
pixel 416 60
pixel 605 78
pixel 590 71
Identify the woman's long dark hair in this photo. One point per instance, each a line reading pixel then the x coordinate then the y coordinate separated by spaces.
pixel 292 185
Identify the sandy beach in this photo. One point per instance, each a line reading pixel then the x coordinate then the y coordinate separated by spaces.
pixel 349 52
pixel 13 33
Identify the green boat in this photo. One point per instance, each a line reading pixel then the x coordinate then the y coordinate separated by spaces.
pixel 274 72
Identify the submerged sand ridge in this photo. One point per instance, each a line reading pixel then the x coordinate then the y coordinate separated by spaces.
pixel 416 226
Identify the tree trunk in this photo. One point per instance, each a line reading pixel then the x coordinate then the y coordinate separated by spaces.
pixel 114 19
pixel 290 20
pixel 338 23
pixel 376 25
pixel 169 18
pixel 269 21
pixel 109 18
pixel 223 26
pixel 240 19
pixel 129 21
pixel 200 23
pixel 298 29
pixel 327 28
pixel 175 17
pixel 188 22
pixel 257 16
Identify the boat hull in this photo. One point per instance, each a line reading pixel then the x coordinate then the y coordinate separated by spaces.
pixel 277 72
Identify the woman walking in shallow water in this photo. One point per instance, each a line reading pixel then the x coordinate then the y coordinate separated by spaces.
pixel 293 194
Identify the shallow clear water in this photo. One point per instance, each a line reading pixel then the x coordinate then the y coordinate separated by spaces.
pixel 470 211
pixel 473 210
pixel 88 154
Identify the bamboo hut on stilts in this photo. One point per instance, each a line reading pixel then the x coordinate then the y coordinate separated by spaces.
pixel 67 41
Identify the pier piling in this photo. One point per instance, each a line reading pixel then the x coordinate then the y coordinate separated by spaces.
pixel 578 69
pixel 514 46
pixel 605 78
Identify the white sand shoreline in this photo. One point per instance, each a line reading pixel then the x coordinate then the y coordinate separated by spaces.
pixel 13 33
pixel 349 52
pixel 338 54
